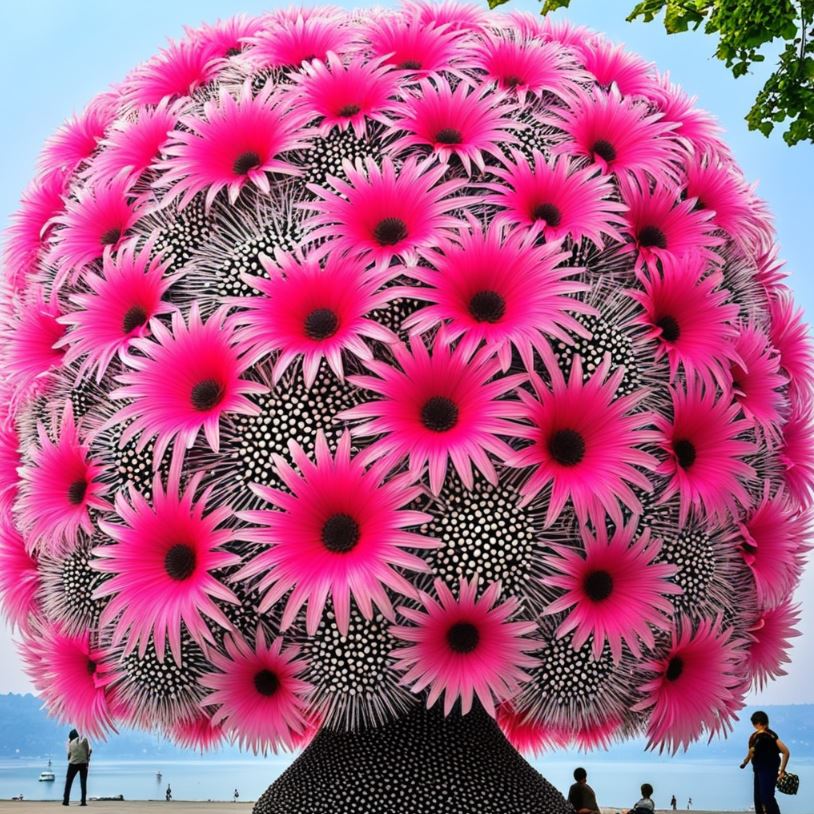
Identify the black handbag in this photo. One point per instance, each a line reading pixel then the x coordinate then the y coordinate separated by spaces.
pixel 788 784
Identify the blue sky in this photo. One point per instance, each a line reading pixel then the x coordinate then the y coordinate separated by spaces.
pixel 56 54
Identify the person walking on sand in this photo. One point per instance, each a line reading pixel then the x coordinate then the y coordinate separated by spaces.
pixel 674 803
pixel 79 753
pixel 236 795
pixel 168 793
pixel 769 757
pixel 581 795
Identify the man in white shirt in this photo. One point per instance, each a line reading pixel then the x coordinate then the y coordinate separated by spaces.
pixel 79 752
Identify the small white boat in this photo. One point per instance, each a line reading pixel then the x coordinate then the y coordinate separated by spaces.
pixel 47 776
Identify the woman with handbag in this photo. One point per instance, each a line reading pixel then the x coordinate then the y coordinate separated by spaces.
pixel 769 757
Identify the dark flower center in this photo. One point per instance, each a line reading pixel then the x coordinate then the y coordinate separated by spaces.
pixel 674 669
pixel 598 585
pixel 390 231
pixel 207 394
pixel 340 533
pixel 669 328
pixel 652 236
pixel 547 212
pixel 246 161
pixel 604 149
pixel 321 323
pixel 179 561
pixel 111 236
pixel 76 491
pixel 748 548
pixel 487 306
pixel 91 667
pixel 463 637
pixel 233 51
pixel 439 414
pixel 566 447
pixel 266 682
pixel 348 110
pixel 134 318
pixel 448 135
pixel 684 452
pixel 410 65
pixel 513 81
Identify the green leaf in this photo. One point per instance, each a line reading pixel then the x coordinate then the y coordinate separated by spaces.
pixel 553 5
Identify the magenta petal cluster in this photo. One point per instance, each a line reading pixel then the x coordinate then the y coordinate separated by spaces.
pixel 351 360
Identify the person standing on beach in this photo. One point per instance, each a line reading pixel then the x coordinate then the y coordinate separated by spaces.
pixel 769 757
pixel 79 752
pixel 236 795
pixel 674 803
pixel 168 793
pixel 581 795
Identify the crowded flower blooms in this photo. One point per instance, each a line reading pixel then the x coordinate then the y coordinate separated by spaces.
pixel 359 361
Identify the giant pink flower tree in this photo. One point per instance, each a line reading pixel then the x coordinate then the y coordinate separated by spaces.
pixel 359 364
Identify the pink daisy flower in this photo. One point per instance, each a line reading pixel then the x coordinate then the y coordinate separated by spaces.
pixel 226 38
pixel 73 678
pixel 527 735
pixel 562 198
pixel 501 291
pixel 338 532
pixel 382 214
pixel 771 272
pixel 19 577
pixel 10 459
pixel 770 642
pixel 797 454
pixel 705 454
pixel 619 135
pixel 790 336
pixel 465 648
pixel 659 227
pixel 32 349
pixel 161 563
pixel 720 189
pixel 199 733
pixel 586 443
pixel 175 71
pixel 345 95
pixel 303 39
pixel 557 30
pixel 463 122
pixel 135 145
pixel 182 381
pixel 696 685
pixel 117 308
pixel 757 381
pixel 408 45
pixel 31 226
pixel 614 590
pixel 260 698
pixel 689 315
pixel 773 541
pixel 455 16
pixel 78 138
pixel 611 64
pixel 312 313
pixel 697 128
pixel 586 736
pixel 239 141
pixel 435 407
pixel 60 484
pixel 97 221
pixel 526 67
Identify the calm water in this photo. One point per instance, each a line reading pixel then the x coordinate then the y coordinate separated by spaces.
pixel 711 784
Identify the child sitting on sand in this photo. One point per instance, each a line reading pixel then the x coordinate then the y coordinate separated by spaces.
pixel 646 804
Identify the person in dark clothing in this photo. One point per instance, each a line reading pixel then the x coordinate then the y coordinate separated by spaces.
pixel 581 795
pixel 79 752
pixel 769 757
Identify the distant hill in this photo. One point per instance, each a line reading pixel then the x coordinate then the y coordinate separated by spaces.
pixel 27 731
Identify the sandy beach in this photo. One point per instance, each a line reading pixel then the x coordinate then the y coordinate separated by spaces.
pixel 191 807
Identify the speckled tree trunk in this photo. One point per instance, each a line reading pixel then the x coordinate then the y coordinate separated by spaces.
pixel 423 763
